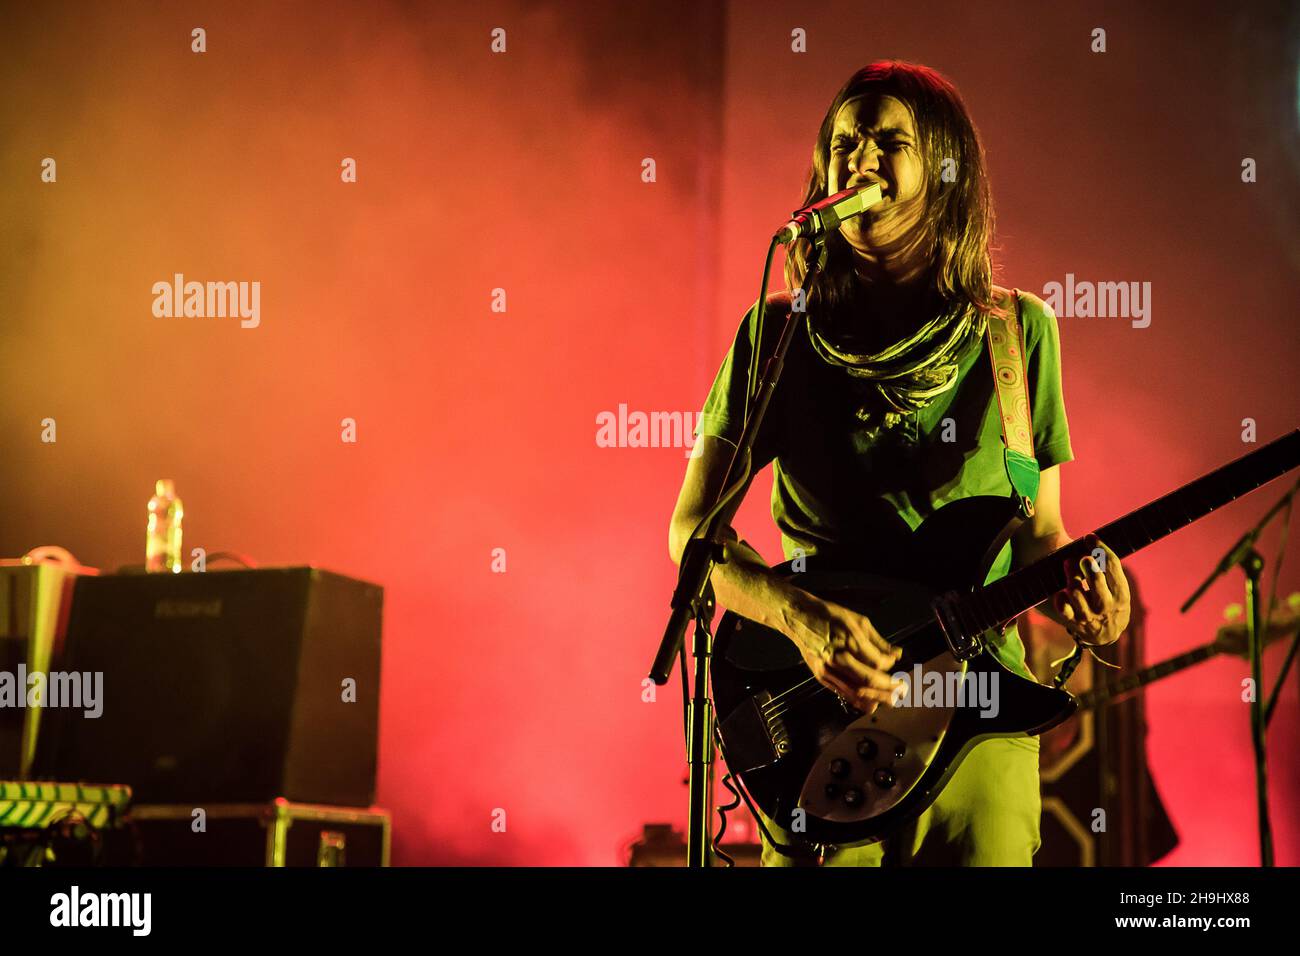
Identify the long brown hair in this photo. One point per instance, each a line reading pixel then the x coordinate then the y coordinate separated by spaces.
pixel 958 219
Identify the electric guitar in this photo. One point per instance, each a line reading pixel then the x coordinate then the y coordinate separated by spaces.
pixel 831 775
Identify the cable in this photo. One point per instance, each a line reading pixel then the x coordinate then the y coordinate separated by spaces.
pixel 785 849
pixel 722 822
pixel 686 697
pixel 757 347
pixel 64 826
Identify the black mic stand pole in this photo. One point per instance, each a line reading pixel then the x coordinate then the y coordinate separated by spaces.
pixel 693 597
pixel 1243 555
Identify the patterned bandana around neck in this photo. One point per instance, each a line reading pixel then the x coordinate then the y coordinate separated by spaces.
pixel 909 374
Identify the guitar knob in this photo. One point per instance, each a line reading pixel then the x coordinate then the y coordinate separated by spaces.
pixel 884 779
pixel 853 796
pixel 839 767
pixel 900 749
pixel 867 748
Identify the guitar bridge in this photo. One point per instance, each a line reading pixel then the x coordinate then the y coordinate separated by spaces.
pixel 963 647
pixel 754 739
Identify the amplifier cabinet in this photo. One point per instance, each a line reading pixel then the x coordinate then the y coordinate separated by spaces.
pixel 223 686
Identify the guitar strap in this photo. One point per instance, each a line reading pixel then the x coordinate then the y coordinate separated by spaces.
pixel 1006 341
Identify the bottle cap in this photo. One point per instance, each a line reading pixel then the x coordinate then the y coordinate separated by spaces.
pixel 165 487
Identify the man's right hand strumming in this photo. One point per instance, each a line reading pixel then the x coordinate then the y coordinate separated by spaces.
pixel 844 651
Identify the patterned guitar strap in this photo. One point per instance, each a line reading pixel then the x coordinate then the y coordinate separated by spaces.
pixel 1005 336
pixel 1006 342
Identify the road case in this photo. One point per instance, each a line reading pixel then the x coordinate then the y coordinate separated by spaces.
pixel 281 833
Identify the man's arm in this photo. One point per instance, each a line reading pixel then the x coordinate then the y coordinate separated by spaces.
pixel 842 648
pixel 1094 607
pixel 744 583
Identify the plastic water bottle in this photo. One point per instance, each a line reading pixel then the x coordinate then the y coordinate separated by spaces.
pixel 163 543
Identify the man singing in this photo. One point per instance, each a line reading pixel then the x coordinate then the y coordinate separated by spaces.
pixel 886 411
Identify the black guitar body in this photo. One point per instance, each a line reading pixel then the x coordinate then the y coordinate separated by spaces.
pixel 831 776
pixel 797 746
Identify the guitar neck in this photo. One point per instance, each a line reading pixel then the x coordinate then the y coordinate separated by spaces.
pixel 1010 596
pixel 1105 693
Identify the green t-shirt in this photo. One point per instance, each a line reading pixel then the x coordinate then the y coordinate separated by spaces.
pixel 843 486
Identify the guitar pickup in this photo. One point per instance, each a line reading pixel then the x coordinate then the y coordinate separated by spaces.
pixel 963 647
pixel 753 739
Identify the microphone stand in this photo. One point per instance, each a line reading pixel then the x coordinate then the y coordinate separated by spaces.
pixel 693 597
pixel 1243 555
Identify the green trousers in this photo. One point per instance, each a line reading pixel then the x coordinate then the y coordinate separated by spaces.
pixel 987 815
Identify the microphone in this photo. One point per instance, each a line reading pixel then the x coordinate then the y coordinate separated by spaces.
pixel 817 220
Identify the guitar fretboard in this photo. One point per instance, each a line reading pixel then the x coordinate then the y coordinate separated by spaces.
pixel 1029 586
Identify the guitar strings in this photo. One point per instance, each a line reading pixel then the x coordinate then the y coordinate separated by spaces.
pixel 780 705
pixel 774 709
